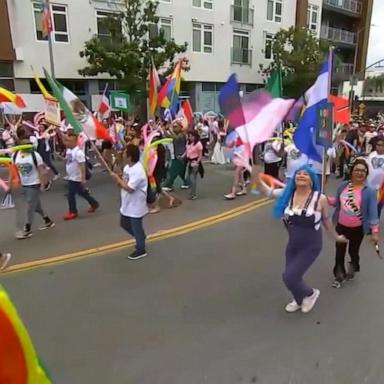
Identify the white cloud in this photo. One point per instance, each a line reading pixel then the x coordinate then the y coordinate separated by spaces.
pixel 376 40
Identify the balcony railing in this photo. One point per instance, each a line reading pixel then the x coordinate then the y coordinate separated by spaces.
pixel 353 6
pixel 242 15
pixel 344 68
pixel 338 35
pixel 241 56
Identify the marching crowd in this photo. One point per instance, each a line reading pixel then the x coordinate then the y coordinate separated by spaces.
pixel 357 157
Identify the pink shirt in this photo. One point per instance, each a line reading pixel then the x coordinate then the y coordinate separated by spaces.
pixel 194 151
pixel 347 216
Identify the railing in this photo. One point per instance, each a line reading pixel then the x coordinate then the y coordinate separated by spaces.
pixel 242 15
pixel 344 68
pixel 353 6
pixel 241 56
pixel 338 35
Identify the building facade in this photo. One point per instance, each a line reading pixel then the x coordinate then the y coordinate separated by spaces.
pixel 223 36
pixel 346 23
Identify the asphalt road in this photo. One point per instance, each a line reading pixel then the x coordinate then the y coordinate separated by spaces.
pixel 203 307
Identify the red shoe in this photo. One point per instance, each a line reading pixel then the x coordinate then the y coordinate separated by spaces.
pixel 70 216
pixel 93 209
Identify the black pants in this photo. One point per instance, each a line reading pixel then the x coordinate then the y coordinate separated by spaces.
pixel 355 235
pixel 76 188
pixel 272 169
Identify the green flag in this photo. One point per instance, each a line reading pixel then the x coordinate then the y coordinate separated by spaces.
pixel 120 101
pixel 275 84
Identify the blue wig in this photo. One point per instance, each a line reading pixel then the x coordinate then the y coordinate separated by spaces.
pixel 283 201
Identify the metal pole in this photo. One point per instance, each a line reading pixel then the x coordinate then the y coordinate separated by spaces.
pixel 50 45
pixel 351 97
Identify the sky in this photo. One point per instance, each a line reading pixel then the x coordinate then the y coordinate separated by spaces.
pixel 376 40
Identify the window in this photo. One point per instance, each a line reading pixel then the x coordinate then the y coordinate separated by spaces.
pixel 59 22
pixel 104 30
pixel 207 4
pixel 275 10
pixel 202 38
pixel 268 46
pixel 166 27
pixel 241 54
pixel 312 17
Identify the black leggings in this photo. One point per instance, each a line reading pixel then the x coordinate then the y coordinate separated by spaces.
pixel 355 235
pixel 272 169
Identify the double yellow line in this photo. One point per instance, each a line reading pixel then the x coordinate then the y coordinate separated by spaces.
pixel 160 235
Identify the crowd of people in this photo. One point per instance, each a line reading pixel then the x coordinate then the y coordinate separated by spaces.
pixel 356 156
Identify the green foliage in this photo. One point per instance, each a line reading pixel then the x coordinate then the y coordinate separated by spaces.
pixel 128 46
pixel 298 54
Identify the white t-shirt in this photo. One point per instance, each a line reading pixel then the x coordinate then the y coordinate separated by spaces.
pixel 318 167
pixel 74 157
pixel 134 204
pixel 368 136
pixel 376 170
pixel 295 159
pixel 28 173
pixel 270 150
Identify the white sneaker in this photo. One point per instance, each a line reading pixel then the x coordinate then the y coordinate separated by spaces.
pixel 230 196
pixel 56 177
pixel 4 260
pixel 292 307
pixel 310 301
pixel 243 192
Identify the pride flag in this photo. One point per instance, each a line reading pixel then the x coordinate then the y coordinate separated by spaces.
pixel 153 86
pixel 169 93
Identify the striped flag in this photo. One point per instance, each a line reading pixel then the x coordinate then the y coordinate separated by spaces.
pixel 104 109
pixel 46 20
pixel 76 113
pixel 169 94
pixel 153 86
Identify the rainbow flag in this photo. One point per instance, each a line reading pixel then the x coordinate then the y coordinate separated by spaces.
pixel 153 86
pixel 169 94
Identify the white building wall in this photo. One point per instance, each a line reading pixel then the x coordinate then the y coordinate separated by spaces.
pixel 82 24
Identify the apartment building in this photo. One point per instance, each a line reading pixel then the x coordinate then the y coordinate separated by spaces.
pixel 347 24
pixel 224 36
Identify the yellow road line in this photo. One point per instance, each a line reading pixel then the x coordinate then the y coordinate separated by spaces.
pixel 159 235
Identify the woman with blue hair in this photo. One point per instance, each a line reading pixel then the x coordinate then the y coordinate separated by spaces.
pixel 303 209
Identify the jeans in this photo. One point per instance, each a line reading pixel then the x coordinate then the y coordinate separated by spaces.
pixel 192 178
pixel 32 197
pixel 177 168
pixel 355 235
pixel 76 188
pixel 134 226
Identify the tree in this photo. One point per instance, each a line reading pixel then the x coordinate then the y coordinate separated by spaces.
pixel 298 54
pixel 129 43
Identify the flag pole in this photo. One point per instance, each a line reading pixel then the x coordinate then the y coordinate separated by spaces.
pixel 330 73
pixel 50 43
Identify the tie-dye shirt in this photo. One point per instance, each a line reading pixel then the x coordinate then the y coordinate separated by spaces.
pixel 347 216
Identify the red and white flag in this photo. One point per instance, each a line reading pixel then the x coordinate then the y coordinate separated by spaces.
pixel 104 106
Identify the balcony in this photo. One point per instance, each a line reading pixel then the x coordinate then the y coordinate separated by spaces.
pixel 350 7
pixel 242 15
pixel 241 56
pixel 338 35
pixel 344 68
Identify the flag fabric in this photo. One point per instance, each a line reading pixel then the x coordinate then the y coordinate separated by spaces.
pixel 7 96
pixel 104 109
pixel 275 84
pixel 341 110
pixel 316 96
pixel 230 102
pixel 46 20
pixel 168 96
pixel 120 101
pixel 296 111
pixel 263 115
pixel 19 362
pixel 153 87
pixel 76 113
pixel 187 110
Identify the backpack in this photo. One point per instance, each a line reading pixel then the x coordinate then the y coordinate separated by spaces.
pixel 45 175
